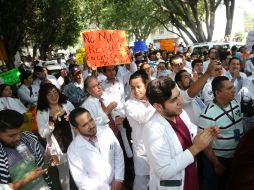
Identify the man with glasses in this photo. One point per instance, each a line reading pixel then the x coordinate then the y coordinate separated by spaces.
pixel 94 103
pixel 176 64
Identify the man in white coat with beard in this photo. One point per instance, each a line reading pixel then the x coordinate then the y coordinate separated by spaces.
pixel 171 140
pixel 95 156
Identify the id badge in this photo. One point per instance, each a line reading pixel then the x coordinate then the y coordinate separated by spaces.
pixel 237 134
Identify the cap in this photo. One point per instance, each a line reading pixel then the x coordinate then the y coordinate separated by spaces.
pixel 75 70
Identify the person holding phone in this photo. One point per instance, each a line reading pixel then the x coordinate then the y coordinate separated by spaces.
pixel 17 171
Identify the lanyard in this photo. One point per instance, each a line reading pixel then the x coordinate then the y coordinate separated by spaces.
pixel 232 118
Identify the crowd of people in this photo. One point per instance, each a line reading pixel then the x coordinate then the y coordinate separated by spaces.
pixel 165 121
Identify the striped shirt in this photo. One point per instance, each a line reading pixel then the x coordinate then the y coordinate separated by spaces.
pixel 228 119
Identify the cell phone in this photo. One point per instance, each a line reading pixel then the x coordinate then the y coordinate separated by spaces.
pixel 47 164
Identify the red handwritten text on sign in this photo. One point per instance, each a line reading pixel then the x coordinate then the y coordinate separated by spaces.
pixel 106 47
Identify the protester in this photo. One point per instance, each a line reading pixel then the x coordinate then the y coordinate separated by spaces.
pixel 138 112
pixel 8 102
pixel 171 140
pixel 52 119
pixel 21 168
pixel 42 75
pixel 225 113
pixel 95 156
pixel 27 92
pixel 75 89
pixel 176 64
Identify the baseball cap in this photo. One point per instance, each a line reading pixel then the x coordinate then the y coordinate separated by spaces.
pixel 75 70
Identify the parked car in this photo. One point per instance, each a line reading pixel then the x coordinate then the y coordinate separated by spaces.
pixel 53 67
pixel 199 48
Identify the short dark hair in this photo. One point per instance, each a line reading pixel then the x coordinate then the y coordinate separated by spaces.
pixel 2 88
pixel 104 68
pixel 140 74
pixel 38 69
pixel 217 83
pixel 43 103
pixel 24 75
pixel 74 114
pixel 174 57
pixel 209 51
pixel 194 62
pixel 223 56
pixel 10 119
pixel 194 54
pixel 143 64
pixel 179 76
pixel 160 90
pixel 233 58
pixel 234 48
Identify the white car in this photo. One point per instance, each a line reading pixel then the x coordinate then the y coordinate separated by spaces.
pixel 200 47
pixel 53 67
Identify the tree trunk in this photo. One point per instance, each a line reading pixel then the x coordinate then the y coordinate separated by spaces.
pixel 35 47
pixel 230 8
pixel 10 52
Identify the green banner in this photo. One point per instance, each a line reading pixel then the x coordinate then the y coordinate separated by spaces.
pixel 10 77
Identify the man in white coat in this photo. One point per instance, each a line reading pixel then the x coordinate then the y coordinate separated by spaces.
pixel 171 140
pixel 95 156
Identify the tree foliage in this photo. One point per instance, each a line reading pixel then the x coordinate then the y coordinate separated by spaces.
pixel 135 16
pixel 43 23
pixel 195 18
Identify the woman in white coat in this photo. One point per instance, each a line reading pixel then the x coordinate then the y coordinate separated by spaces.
pixel 7 101
pixel 139 111
pixel 52 119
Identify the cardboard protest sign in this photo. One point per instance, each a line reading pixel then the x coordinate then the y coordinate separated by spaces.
pixel 140 46
pixel 168 45
pixel 80 54
pixel 10 77
pixel 106 47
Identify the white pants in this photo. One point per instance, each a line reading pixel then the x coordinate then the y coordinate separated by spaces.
pixel 141 182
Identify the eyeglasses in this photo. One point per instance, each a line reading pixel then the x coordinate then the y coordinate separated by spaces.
pixel 52 93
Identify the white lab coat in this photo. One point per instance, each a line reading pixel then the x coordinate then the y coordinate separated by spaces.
pixel 166 157
pixel 46 131
pixel 138 114
pixel 12 104
pixel 94 169
pixel 24 94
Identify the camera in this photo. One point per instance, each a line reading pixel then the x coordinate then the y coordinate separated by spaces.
pixel 247 106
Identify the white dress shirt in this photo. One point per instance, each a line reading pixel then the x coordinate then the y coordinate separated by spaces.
pixel 93 105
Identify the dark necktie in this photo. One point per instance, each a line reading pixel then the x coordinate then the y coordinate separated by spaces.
pixel 31 90
pixel 111 122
